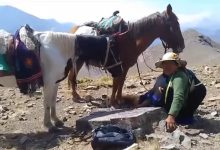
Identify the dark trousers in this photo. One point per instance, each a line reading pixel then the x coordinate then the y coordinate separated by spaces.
pixel 194 100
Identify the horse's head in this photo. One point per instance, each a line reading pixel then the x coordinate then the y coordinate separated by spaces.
pixel 172 35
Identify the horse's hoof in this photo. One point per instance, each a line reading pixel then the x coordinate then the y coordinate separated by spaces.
pixel 59 124
pixel 53 130
pixel 76 96
pixel 112 108
pixel 76 100
pixel 115 106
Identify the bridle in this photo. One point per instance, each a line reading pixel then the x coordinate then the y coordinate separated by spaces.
pixel 165 45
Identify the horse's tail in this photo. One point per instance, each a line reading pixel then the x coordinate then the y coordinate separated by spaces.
pixel 69 65
pixel 70 78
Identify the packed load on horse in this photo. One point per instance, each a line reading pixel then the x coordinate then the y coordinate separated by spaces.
pixel 21 59
pixel 110 25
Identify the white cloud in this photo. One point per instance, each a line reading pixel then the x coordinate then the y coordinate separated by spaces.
pixel 81 11
pixel 193 20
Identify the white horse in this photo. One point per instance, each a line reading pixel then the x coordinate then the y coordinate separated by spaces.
pixel 56 50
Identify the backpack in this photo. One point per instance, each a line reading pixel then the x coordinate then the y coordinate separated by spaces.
pixel 193 80
pixel 111 137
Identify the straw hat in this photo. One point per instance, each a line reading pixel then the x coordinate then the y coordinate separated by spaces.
pixel 170 56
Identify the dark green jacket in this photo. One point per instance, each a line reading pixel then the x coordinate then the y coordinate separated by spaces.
pixel 179 87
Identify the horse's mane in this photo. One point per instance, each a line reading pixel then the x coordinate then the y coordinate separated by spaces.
pixel 65 41
pixel 146 24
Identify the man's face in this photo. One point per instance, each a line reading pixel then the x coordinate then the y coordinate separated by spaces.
pixel 169 67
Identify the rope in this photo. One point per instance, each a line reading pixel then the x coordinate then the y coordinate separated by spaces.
pixel 140 76
pixel 107 89
pixel 148 65
pixel 165 45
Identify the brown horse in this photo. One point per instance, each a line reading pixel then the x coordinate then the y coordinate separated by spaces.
pixel 137 39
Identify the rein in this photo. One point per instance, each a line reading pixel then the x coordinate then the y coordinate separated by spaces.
pixel 165 45
pixel 140 77
pixel 147 64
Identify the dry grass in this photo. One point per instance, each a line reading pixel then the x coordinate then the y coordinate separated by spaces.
pixel 84 81
pixel 104 81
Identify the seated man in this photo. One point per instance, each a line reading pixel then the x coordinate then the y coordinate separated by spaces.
pixel 177 90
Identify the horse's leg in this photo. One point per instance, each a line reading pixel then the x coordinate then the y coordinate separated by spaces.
pixel 57 122
pixel 114 90
pixel 120 85
pixel 49 92
pixel 74 73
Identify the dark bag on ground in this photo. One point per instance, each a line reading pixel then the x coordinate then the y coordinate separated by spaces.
pixel 111 137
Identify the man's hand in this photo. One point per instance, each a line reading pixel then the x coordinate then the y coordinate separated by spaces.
pixel 170 123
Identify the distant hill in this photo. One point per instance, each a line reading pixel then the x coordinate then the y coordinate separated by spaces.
pixel 12 18
pixel 216 36
pixel 199 50
pixel 213 33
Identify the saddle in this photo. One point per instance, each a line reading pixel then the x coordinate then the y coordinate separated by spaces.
pixel 110 25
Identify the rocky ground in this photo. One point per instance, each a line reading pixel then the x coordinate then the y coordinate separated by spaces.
pixel 21 116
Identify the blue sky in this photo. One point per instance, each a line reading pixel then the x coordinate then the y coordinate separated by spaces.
pixel 191 13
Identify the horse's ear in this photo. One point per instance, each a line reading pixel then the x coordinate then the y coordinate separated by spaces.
pixel 169 9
